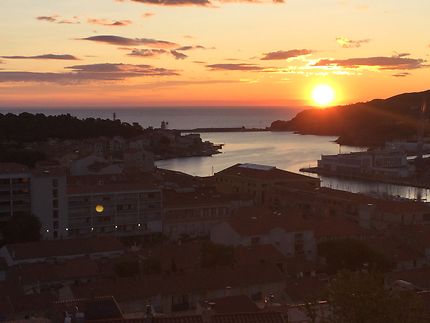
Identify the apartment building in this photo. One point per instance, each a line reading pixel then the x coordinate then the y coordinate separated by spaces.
pixel 49 201
pixel 194 213
pixel 14 190
pixel 258 180
pixel 100 204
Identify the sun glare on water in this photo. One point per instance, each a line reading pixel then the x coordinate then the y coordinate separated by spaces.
pixel 323 95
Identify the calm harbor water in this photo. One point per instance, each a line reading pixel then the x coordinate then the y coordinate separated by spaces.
pixel 284 150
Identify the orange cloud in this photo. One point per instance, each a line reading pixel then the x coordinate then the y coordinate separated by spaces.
pixel 109 23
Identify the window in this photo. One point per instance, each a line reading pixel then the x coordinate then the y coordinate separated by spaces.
pixel 55 204
pixel 55 214
pixel 55 182
pixel 55 193
pixel 55 224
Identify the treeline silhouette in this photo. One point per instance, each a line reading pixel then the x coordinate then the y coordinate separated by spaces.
pixel 28 127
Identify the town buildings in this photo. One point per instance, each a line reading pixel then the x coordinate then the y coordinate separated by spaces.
pixel 292 235
pixel 119 206
pixel 194 213
pixel 258 180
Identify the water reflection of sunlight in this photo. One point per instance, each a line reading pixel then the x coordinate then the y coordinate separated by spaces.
pixel 284 150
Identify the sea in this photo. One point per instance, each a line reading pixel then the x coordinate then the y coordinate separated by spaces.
pixel 284 150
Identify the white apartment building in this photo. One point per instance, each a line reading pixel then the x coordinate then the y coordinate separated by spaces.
pixel 120 208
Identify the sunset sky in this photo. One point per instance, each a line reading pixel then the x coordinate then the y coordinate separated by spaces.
pixel 72 53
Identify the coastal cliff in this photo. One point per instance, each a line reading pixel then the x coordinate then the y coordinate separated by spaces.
pixel 362 124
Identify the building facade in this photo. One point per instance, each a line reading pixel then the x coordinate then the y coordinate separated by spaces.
pixel 15 193
pixel 115 208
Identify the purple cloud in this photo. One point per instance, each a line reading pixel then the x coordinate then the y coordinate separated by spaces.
pixel 109 23
pixel 381 62
pixel 44 56
pixel 193 2
pixel 178 55
pixel 286 54
pixel 58 20
pixel 147 52
pixel 235 67
pixel 87 73
pixel 123 41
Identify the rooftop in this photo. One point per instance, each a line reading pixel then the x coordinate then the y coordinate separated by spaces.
pixel 13 168
pixel 110 183
pixel 256 317
pixel 72 269
pixel 63 248
pixel 179 283
pixel 267 173
pixel 256 221
pixel 231 304
pixel 199 197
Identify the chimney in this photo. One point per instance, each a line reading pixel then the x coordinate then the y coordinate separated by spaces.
pixel 208 312
pixel 67 318
pixel 149 315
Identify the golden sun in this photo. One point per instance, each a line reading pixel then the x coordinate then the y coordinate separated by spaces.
pixel 323 95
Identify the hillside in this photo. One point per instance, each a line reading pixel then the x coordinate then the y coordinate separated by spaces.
pixel 362 124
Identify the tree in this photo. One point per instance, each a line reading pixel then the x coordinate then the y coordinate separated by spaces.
pixel 213 255
pixel 362 298
pixel 127 267
pixel 352 255
pixel 22 227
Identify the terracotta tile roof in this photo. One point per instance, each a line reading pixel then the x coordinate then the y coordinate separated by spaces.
pixel 185 256
pixel 11 168
pixel 98 308
pixel 67 247
pixel 180 283
pixel 32 302
pixel 72 269
pixel 418 277
pixel 303 289
pixel 176 179
pixel 171 319
pixel 257 221
pixel 252 255
pixel 110 183
pixel 335 226
pixel 231 304
pixel 266 173
pixel 200 197
pixel 257 317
